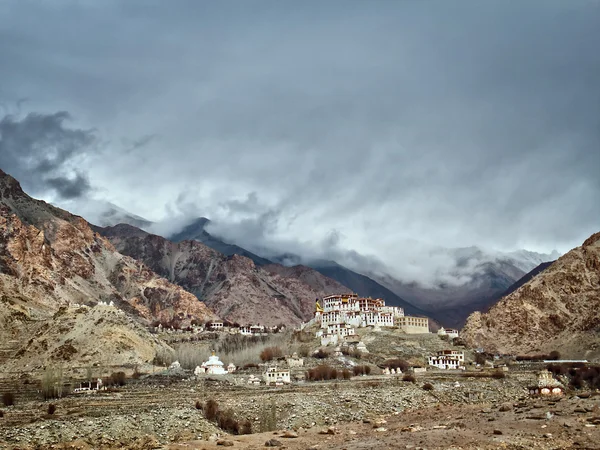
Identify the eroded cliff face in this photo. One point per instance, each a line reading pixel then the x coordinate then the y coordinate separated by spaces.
pixel 50 259
pixel 234 287
pixel 559 309
pixel 57 259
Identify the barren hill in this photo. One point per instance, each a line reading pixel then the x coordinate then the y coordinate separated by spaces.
pixel 559 309
pixel 50 258
pixel 233 286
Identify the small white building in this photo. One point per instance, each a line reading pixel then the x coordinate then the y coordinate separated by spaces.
pixel 447 359
pixel 216 325
pixel 214 366
pixel 274 375
pixel 450 332
pixel 295 361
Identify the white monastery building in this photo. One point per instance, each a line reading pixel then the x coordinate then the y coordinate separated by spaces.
pixel 448 359
pixel 340 314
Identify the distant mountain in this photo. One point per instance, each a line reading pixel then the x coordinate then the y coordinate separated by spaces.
pixel 196 231
pixel 363 285
pixel 103 213
pixel 520 282
pixel 233 286
pixel 557 309
pixel 489 275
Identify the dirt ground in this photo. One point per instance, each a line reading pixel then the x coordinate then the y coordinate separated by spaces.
pixel 568 423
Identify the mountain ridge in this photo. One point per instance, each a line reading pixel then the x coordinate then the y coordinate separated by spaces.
pixel 557 309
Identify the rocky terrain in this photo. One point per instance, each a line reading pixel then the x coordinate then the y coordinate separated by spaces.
pixel 556 310
pixel 50 259
pixel 365 412
pixel 233 286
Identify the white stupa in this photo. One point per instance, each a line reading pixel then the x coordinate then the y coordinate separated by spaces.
pixel 214 365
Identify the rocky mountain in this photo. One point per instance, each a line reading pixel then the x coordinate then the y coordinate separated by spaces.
pixel 196 231
pixel 558 309
pixel 234 286
pixel 50 259
pixel 291 265
pixel 487 277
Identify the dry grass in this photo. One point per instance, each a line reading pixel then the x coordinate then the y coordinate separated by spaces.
pixel 240 350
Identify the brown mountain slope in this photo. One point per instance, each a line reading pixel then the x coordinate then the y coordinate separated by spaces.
pixel 314 279
pixel 50 259
pixel 232 285
pixel 559 309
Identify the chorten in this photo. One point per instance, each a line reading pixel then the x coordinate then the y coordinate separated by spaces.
pixel 214 365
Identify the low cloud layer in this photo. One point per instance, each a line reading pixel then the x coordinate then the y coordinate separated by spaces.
pixel 384 129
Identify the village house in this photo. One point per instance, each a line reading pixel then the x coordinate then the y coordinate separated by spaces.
pixel 295 361
pixel 216 325
pixel 450 332
pixel 274 375
pixel 448 359
pixel 251 330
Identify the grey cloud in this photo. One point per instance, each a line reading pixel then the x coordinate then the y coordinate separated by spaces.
pixel 403 126
pixel 42 153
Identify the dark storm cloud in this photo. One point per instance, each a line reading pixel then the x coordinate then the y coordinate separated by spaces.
pixel 41 153
pixel 396 126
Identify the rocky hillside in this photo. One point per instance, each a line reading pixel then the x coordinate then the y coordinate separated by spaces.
pixel 559 309
pixel 233 286
pixel 309 276
pixel 50 259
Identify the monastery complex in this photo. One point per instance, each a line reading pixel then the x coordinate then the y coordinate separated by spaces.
pixel 339 315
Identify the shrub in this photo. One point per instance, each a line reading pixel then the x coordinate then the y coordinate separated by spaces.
pixel 250 366
pixel 304 351
pixel 52 383
pixel 117 379
pixel 361 370
pixel 498 374
pixel 480 358
pixel 346 374
pixel 322 372
pixel 321 353
pixel 554 355
pixel 428 387
pixel 198 404
pixel 51 408
pixel 211 409
pixel 246 427
pixel 409 377
pixel 8 398
pixel 226 421
pixel 270 353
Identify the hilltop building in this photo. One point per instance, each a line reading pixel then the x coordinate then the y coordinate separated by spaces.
pixel 451 333
pixel 339 315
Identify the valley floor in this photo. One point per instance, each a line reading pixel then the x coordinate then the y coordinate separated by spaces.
pixel 364 413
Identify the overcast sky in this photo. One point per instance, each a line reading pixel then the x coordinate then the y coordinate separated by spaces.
pixel 377 127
